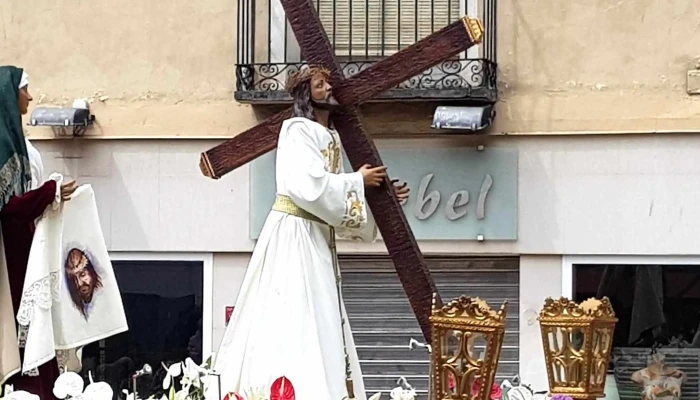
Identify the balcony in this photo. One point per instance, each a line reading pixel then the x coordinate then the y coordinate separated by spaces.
pixel 363 32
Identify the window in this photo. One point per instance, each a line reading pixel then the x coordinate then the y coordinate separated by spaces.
pixel 374 28
pixel 163 302
pixel 657 303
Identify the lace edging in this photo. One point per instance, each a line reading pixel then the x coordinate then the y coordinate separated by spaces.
pixel 41 293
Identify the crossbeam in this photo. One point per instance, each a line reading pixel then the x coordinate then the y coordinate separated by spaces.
pixel 411 61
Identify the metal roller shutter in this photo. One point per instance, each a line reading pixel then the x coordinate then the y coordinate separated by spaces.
pixel 383 322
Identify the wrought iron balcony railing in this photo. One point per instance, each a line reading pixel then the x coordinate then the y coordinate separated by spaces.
pixel 363 32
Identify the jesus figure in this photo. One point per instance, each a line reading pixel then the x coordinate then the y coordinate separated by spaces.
pixel 289 318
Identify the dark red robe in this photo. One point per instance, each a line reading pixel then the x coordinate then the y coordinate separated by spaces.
pixel 17 219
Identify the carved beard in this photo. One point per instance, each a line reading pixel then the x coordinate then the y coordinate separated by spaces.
pixel 328 104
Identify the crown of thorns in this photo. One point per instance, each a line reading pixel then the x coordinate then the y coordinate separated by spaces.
pixel 297 78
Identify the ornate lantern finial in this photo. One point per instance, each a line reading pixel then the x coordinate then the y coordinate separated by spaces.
pixel 466 346
pixel 577 339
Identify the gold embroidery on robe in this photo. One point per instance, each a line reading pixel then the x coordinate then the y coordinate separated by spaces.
pixel 354 211
pixel 332 155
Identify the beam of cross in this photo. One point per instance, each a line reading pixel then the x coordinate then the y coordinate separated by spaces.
pixel 359 147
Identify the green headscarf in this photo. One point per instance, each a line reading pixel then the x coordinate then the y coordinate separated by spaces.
pixel 15 171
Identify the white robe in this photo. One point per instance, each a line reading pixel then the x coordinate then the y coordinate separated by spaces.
pixel 287 319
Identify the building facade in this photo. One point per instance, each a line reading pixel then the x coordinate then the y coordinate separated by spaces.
pixel 591 158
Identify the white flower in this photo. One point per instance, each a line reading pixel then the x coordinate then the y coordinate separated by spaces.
pixel 98 391
pixel 255 394
pixel 403 392
pixel 376 396
pixel 129 396
pixel 173 372
pixel 68 384
pixel 10 394
pixel 400 393
pixel 191 374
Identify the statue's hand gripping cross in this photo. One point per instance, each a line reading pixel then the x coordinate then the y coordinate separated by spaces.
pixel 411 61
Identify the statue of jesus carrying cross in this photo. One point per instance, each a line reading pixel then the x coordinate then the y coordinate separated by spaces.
pixel 290 319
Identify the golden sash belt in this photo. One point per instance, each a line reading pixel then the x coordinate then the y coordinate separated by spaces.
pixel 286 205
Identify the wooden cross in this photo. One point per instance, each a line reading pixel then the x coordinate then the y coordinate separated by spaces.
pixel 350 92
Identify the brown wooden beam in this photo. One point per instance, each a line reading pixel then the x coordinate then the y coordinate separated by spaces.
pixel 313 41
pixel 244 148
pixel 409 62
pixel 385 74
pixel 409 262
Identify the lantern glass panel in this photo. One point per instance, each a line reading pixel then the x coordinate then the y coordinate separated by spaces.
pixel 602 338
pixel 566 345
pixel 464 354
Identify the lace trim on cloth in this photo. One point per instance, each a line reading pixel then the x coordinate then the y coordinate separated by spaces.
pixel 62 358
pixel 41 293
pixel 22 332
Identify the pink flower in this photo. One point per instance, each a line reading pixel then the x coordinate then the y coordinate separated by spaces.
pixel 233 396
pixel 496 392
pixel 451 381
pixel 282 389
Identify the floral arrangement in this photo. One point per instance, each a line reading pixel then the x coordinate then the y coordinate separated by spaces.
pixel 194 382
pixel 70 385
pixel 283 389
pixel 519 391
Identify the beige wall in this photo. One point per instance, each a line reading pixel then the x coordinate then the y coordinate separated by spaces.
pixel 229 270
pixel 167 69
pixel 540 277
pixel 151 195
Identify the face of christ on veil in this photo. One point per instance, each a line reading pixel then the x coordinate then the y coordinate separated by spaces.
pixel 82 279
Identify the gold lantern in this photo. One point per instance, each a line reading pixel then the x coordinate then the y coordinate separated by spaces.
pixel 467 336
pixel 577 339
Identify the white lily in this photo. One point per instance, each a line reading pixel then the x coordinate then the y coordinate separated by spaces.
pixel 129 395
pixel 399 393
pixel 191 374
pixel 68 384
pixel 11 394
pixel 97 390
pixel 403 392
pixel 256 394
pixel 376 396
pixel 174 371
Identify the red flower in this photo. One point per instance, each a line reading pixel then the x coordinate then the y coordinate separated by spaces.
pixel 496 391
pixel 233 396
pixel 451 381
pixel 282 389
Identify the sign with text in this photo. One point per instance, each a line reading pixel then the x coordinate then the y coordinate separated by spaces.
pixel 456 193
